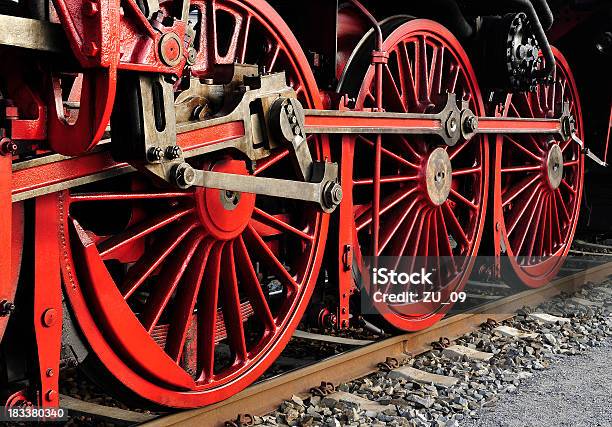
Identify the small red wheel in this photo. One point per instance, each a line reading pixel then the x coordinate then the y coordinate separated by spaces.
pixel 421 214
pixel 538 183
pixel 187 297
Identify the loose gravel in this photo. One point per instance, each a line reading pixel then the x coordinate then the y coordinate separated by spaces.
pixel 394 401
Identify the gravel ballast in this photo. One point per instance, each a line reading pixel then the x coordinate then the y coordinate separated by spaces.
pixel 559 364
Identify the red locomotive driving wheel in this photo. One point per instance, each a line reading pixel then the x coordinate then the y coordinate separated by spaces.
pixel 538 183
pixel 187 297
pixel 432 197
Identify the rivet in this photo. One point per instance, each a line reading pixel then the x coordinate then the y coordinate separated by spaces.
pixel 51 395
pixel 48 318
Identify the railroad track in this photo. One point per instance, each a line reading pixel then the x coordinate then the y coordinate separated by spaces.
pixel 265 396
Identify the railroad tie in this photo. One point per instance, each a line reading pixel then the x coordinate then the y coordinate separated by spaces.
pixel 459 352
pixel 509 331
pixel 548 318
pixel 412 374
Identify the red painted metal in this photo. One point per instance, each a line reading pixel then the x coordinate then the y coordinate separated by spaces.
pixel 416 80
pixel 200 249
pixel 56 174
pixel 47 299
pixel 536 222
pixel 605 156
pixel 7 285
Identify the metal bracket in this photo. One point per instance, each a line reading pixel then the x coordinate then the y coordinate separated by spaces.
pixel 588 152
pixel 323 190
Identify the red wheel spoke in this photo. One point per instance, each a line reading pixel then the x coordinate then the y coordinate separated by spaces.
pixel 462 199
pixel 565 144
pixel 390 229
pixel 422 70
pixel 445 238
pixel 168 281
pixel 522 148
pixel 535 226
pixel 245 39
pixel 454 151
pixel 518 189
pixel 571 163
pixel 476 170
pixel 566 185
pixel 280 225
pixel 437 75
pixel 522 169
pixel 408 84
pixel 268 257
pixel 399 246
pixel 387 179
pixel 389 154
pixel 522 208
pixel 522 235
pixel 387 204
pixel 153 258
pixel 454 226
pixel 562 203
pixel 252 285
pixel 272 61
pixel 232 313
pixel 407 145
pixel 555 218
pixel 271 160
pixel 207 314
pixel 433 68
pixel 454 78
pixel 392 94
pixel 108 247
pixel 185 301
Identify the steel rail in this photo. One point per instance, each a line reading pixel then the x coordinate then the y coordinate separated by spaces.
pixel 265 396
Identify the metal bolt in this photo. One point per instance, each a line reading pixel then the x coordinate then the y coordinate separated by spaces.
pixel 289 108
pixel 497 226
pixel 470 124
pixel 6 308
pixel 90 8
pixel 48 318
pixel 155 154
pixel 50 372
pixel 90 49
pixel 8 147
pixel 191 56
pixel 51 395
pixel 184 175
pixel 173 152
pixel 332 194
pixel 297 130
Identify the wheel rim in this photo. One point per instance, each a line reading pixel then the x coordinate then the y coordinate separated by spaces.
pixel 539 183
pixel 416 207
pixel 139 281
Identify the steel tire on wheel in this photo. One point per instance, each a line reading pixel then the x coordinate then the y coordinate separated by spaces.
pixel 537 210
pixel 411 223
pixel 187 297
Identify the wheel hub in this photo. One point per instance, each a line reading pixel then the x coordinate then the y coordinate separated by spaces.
pixel 225 214
pixel 438 176
pixel 555 166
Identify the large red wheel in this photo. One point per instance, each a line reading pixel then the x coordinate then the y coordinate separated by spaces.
pixel 188 297
pixel 538 183
pixel 422 214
